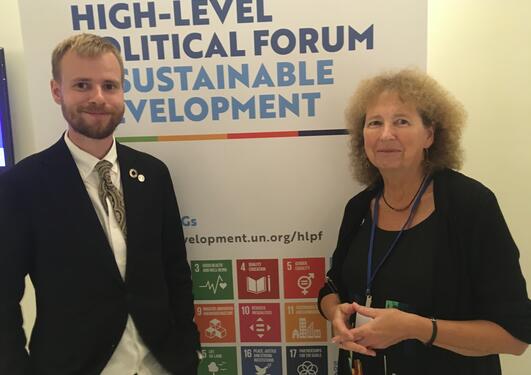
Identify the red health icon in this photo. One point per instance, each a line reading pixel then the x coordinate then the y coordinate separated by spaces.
pixel 257 278
pixel 303 277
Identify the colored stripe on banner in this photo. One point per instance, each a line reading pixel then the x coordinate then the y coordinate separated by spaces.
pixel 254 135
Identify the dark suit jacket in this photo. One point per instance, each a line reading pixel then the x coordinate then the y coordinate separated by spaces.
pixel 49 230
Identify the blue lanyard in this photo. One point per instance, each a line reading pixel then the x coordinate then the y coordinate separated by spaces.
pixel 370 274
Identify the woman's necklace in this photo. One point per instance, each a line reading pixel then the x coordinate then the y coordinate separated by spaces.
pixel 409 204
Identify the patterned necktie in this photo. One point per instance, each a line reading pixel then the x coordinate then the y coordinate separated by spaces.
pixel 108 190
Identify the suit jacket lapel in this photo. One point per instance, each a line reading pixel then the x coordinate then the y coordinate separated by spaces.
pixel 133 191
pixel 72 197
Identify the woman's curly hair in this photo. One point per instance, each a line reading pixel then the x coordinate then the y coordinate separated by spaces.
pixel 436 106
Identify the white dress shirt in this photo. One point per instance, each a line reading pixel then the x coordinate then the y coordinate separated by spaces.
pixel 131 356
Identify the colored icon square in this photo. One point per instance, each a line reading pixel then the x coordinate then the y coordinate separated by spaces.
pixel 303 277
pixel 218 360
pixel 257 278
pixel 304 323
pixel 212 279
pixel 266 360
pixel 307 360
pixel 259 322
pixel 215 323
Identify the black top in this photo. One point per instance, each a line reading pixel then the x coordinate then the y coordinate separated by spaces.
pixel 476 272
pixel 402 282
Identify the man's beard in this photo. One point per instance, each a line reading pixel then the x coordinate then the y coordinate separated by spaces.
pixel 95 131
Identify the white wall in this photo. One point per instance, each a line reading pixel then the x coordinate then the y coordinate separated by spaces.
pixel 478 49
pixel 11 41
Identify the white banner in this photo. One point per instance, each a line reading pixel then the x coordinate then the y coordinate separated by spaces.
pixel 244 101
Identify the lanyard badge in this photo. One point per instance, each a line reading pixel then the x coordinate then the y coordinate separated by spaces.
pixel 360 319
pixel 370 274
pixel 355 364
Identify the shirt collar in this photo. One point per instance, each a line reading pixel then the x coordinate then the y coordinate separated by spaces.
pixel 86 162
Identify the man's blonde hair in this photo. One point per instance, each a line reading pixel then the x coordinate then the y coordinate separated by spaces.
pixel 85 45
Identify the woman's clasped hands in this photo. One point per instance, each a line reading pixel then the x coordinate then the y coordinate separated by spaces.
pixel 377 328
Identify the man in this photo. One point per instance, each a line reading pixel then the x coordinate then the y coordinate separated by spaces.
pixel 112 283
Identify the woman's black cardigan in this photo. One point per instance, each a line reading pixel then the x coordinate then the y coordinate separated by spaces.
pixel 476 270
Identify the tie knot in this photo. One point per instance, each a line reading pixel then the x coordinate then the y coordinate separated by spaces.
pixel 103 167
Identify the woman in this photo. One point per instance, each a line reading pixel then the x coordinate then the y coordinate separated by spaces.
pixel 425 278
